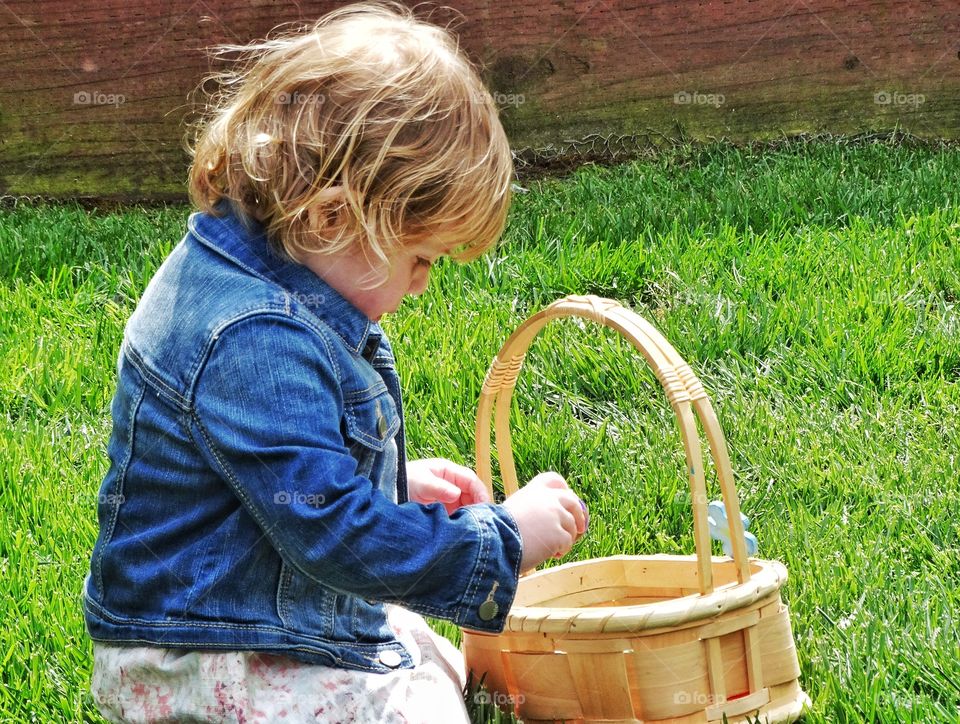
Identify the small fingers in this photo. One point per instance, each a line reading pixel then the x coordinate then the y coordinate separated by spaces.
pixel 479 493
pixel 582 516
pixel 440 490
pixel 569 523
pixel 470 487
pixel 577 510
pixel 549 480
pixel 467 481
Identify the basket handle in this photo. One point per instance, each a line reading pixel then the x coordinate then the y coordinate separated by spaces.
pixel 684 392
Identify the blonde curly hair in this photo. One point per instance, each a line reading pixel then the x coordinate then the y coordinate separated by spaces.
pixel 369 122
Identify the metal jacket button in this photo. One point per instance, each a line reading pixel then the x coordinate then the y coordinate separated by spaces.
pixel 390 658
pixel 489 608
pixel 381 423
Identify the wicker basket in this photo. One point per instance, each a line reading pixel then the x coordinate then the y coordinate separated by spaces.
pixel 638 638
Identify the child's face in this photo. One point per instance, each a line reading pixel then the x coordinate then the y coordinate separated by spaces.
pixel 407 274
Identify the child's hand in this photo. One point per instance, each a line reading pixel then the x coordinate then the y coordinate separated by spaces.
pixel 443 481
pixel 550 516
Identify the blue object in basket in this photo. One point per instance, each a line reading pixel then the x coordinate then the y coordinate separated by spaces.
pixel 720 529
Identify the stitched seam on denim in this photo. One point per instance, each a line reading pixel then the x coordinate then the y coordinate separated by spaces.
pixel 272 648
pixel 286 580
pixel 266 308
pixel 152 378
pixel 470 596
pixel 282 586
pixel 512 522
pixel 368 393
pixel 355 349
pixel 353 612
pixel 346 343
pixel 356 606
pixel 355 650
pixel 193 593
pixel 327 610
pixel 231 478
pixel 201 645
pixel 114 619
pixel 252 313
pixel 357 432
pixel 443 613
pixel 234 484
pixel 215 247
pixel 121 478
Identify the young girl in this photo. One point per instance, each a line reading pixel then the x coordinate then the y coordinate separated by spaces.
pixel 264 543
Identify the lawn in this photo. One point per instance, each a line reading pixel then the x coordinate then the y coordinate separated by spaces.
pixel 813 287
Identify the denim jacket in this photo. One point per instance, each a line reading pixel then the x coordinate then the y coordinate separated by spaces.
pixel 256 496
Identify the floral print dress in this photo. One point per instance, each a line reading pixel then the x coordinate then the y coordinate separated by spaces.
pixel 149 684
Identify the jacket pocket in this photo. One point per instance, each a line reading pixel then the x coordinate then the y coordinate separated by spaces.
pixel 306 606
pixel 371 418
pixel 370 424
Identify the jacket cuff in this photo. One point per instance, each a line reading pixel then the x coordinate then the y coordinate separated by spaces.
pixel 492 587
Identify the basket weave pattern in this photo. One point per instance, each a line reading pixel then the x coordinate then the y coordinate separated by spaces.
pixel 638 638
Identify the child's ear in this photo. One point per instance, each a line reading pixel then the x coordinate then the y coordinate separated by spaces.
pixel 328 213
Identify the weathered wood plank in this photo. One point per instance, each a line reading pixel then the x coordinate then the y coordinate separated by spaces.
pixel 94 95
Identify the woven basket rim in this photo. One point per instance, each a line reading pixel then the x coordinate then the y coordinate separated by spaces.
pixel 767 579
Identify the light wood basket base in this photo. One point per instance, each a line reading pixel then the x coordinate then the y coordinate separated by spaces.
pixel 630 639
pixel 788 706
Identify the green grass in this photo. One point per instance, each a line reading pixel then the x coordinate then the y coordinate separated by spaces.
pixel 813 288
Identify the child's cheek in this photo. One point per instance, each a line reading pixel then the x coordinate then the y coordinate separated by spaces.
pixel 419 281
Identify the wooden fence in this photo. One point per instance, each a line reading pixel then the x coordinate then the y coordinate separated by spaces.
pixel 94 93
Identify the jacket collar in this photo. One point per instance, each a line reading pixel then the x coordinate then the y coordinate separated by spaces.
pixel 244 242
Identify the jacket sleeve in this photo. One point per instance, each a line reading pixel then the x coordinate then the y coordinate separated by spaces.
pixel 267 417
